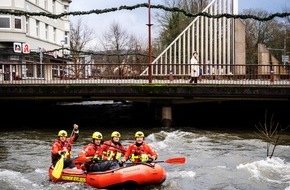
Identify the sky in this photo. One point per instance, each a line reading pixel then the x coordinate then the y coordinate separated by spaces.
pixel 134 22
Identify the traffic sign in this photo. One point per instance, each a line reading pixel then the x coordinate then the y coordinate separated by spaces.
pixel 285 58
pixel 17 47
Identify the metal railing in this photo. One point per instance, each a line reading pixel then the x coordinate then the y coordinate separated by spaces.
pixel 250 74
pixel 212 38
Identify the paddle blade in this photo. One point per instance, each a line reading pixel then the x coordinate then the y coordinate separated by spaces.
pixel 179 160
pixel 56 173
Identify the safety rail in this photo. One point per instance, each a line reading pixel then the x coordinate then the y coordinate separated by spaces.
pixel 213 39
pixel 249 74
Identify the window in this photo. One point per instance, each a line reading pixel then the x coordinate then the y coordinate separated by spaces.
pixel 27 25
pixel 4 22
pixel 45 4
pixel 54 34
pixel 29 69
pixel 18 23
pixel 39 70
pixel 55 71
pixel 46 31
pixel 53 6
pixel 66 38
pixel 37 28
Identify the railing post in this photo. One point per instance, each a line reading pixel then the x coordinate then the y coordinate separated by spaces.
pixel 271 75
pixel 171 75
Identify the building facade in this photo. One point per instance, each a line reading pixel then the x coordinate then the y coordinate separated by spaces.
pixel 26 42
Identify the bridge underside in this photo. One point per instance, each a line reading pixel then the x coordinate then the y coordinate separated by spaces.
pixel 160 98
pixel 173 94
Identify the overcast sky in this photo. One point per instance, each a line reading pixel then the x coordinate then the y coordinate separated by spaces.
pixel 135 21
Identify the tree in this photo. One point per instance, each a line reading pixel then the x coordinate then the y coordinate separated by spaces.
pixel 265 32
pixel 271 132
pixel 80 36
pixel 124 47
pixel 173 23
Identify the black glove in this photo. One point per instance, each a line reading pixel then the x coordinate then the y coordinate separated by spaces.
pixel 87 165
pixel 121 163
pixel 62 152
pixel 95 159
pixel 150 160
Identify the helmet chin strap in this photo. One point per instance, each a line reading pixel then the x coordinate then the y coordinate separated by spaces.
pixel 139 144
pixel 116 143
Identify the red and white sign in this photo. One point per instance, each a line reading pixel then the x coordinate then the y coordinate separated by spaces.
pixel 26 48
pixel 17 47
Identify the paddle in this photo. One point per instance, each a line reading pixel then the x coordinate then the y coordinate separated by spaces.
pixel 58 167
pixel 177 160
pixel 56 173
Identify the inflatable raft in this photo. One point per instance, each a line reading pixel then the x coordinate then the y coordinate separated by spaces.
pixel 134 175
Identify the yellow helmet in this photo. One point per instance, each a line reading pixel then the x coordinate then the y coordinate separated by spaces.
pixel 97 135
pixel 62 133
pixel 139 134
pixel 116 134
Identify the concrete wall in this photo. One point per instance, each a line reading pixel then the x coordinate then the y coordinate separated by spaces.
pixel 240 47
pixel 265 59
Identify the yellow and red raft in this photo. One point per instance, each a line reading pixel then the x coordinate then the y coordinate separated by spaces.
pixel 134 175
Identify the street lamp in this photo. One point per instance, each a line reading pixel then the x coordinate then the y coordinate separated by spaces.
pixel 149 44
pixel 285 37
pixel 62 47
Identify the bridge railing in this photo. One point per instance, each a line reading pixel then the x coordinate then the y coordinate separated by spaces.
pixel 212 38
pixel 249 74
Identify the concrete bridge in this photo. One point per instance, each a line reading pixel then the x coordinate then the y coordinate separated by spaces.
pixel 224 74
pixel 161 97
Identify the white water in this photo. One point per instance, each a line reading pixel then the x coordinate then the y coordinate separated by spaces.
pixel 226 161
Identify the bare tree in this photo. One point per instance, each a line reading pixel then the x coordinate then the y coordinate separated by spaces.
pixel 265 32
pixel 80 36
pixel 123 46
pixel 271 132
pixel 173 23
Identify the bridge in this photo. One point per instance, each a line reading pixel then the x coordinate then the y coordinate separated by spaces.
pixel 162 93
pixel 224 74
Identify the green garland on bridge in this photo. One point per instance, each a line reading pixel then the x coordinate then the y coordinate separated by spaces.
pixel 143 5
pixel 92 53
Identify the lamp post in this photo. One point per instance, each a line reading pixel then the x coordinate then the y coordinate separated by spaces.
pixel 149 45
pixel 285 37
pixel 62 47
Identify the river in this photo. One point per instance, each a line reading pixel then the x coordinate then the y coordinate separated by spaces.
pixel 216 158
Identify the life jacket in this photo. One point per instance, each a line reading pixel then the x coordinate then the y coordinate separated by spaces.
pixel 57 146
pixel 92 150
pixel 140 152
pixel 113 150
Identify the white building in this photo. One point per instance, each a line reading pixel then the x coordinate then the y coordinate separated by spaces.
pixel 27 42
